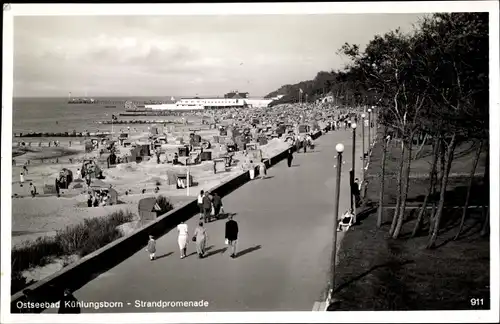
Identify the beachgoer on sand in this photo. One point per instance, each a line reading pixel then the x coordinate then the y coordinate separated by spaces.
pixel 32 190
pixel 21 179
pixel 89 199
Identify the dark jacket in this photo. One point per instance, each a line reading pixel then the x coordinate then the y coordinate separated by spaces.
pixel 231 230
pixel 217 201
pixel 69 309
pixel 207 203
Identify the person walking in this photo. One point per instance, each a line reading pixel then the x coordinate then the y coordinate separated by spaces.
pixel 289 157
pixel 151 248
pixel 217 203
pixel 262 170
pixel 29 297
pixel 68 304
pixel 232 235
pixel 200 237
pixel 21 179
pixel 207 207
pixel 182 239
pixel 357 192
pixel 200 203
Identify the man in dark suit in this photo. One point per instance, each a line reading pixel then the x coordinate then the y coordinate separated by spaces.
pixel 217 201
pixel 232 235
pixel 207 207
pixel 68 304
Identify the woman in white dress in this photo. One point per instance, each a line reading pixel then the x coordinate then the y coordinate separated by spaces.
pixel 183 238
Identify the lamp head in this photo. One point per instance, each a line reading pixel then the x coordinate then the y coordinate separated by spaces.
pixel 339 148
pixel 363 115
pixel 369 110
pixel 353 125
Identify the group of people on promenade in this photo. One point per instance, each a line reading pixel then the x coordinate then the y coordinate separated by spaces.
pixel 210 205
pixel 200 238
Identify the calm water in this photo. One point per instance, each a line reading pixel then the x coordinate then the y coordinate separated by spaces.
pixel 56 115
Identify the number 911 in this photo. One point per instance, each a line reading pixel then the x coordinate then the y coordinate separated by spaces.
pixel 476 302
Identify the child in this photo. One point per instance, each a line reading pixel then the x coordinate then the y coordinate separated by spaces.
pixel 32 190
pixel 151 247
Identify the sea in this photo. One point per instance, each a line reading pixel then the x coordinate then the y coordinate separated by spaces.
pixel 53 115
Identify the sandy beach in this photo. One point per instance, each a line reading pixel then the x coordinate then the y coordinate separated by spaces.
pixel 45 214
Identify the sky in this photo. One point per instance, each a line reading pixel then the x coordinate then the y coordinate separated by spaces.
pixel 183 55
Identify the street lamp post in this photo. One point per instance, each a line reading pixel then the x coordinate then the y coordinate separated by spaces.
pixel 340 149
pixel 363 116
pixel 353 126
pixel 369 132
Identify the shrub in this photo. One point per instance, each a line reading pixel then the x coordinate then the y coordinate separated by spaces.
pixel 37 253
pixel 92 234
pixel 165 205
pixel 81 239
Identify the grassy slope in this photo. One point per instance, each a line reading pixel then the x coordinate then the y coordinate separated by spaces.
pixel 377 273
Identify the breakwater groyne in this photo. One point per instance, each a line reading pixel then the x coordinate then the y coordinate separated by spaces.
pixel 145 113
pixel 65 134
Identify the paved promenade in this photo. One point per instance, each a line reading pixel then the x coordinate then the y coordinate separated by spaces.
pixel 285 246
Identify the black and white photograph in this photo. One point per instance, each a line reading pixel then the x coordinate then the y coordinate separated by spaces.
pixel 250 162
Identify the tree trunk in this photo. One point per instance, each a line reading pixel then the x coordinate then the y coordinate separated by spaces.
pixel 399 189
pixel 417 154
pixel 444 183
pixel 401 215
pixel 471 180
pixel 486 184
pixel 442 156
pixel 486 223
pixel 432 180
pixel 382 182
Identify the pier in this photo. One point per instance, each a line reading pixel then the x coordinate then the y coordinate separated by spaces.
pixel 135 121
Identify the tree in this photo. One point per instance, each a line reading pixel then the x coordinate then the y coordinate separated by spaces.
pixel 469 188
pixel 432 181
pixel 456 50
pixel 382 180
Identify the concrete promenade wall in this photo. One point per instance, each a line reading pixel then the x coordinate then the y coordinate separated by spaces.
pixel 79 273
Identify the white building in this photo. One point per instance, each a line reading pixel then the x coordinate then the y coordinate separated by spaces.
pixel 211 103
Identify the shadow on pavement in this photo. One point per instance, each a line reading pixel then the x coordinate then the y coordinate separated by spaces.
pixel 268 177
pixel 225 215
pixel 221 251
pixel 249 250
pixel 164 255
